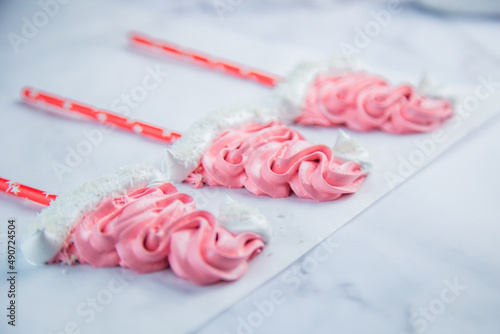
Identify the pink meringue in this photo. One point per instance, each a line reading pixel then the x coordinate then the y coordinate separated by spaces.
pixel 274 160
pixel 153 228
pixel 364 102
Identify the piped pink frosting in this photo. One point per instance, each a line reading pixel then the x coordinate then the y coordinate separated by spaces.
pixel 274 160
pixel 364 102
pixel 153 228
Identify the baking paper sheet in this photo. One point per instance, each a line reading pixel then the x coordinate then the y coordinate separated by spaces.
pixel 81 56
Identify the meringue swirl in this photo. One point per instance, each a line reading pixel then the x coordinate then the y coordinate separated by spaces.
pixel 153 228
pixel 364 102
pixel 273 160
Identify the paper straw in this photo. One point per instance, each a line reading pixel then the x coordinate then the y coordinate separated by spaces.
pixel 20 190
pixel 45 99
pixel 177 52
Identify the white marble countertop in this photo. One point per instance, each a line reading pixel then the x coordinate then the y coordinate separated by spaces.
pixel 420 260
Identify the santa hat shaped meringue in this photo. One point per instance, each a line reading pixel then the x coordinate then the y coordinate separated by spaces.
pixel 335 92
pixel 286 162
pixel 248 147
pixel 134 219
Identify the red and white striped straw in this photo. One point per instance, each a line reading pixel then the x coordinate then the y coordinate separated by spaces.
pixel 20 190
pixel 196 57
pixel 44 99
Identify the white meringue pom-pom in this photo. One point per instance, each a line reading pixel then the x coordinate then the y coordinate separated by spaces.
pixel 429 87
pixel 347 148
pixel 39 247
pixel 237 217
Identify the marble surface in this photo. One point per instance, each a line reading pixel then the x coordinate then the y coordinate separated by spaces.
pixel 419 260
